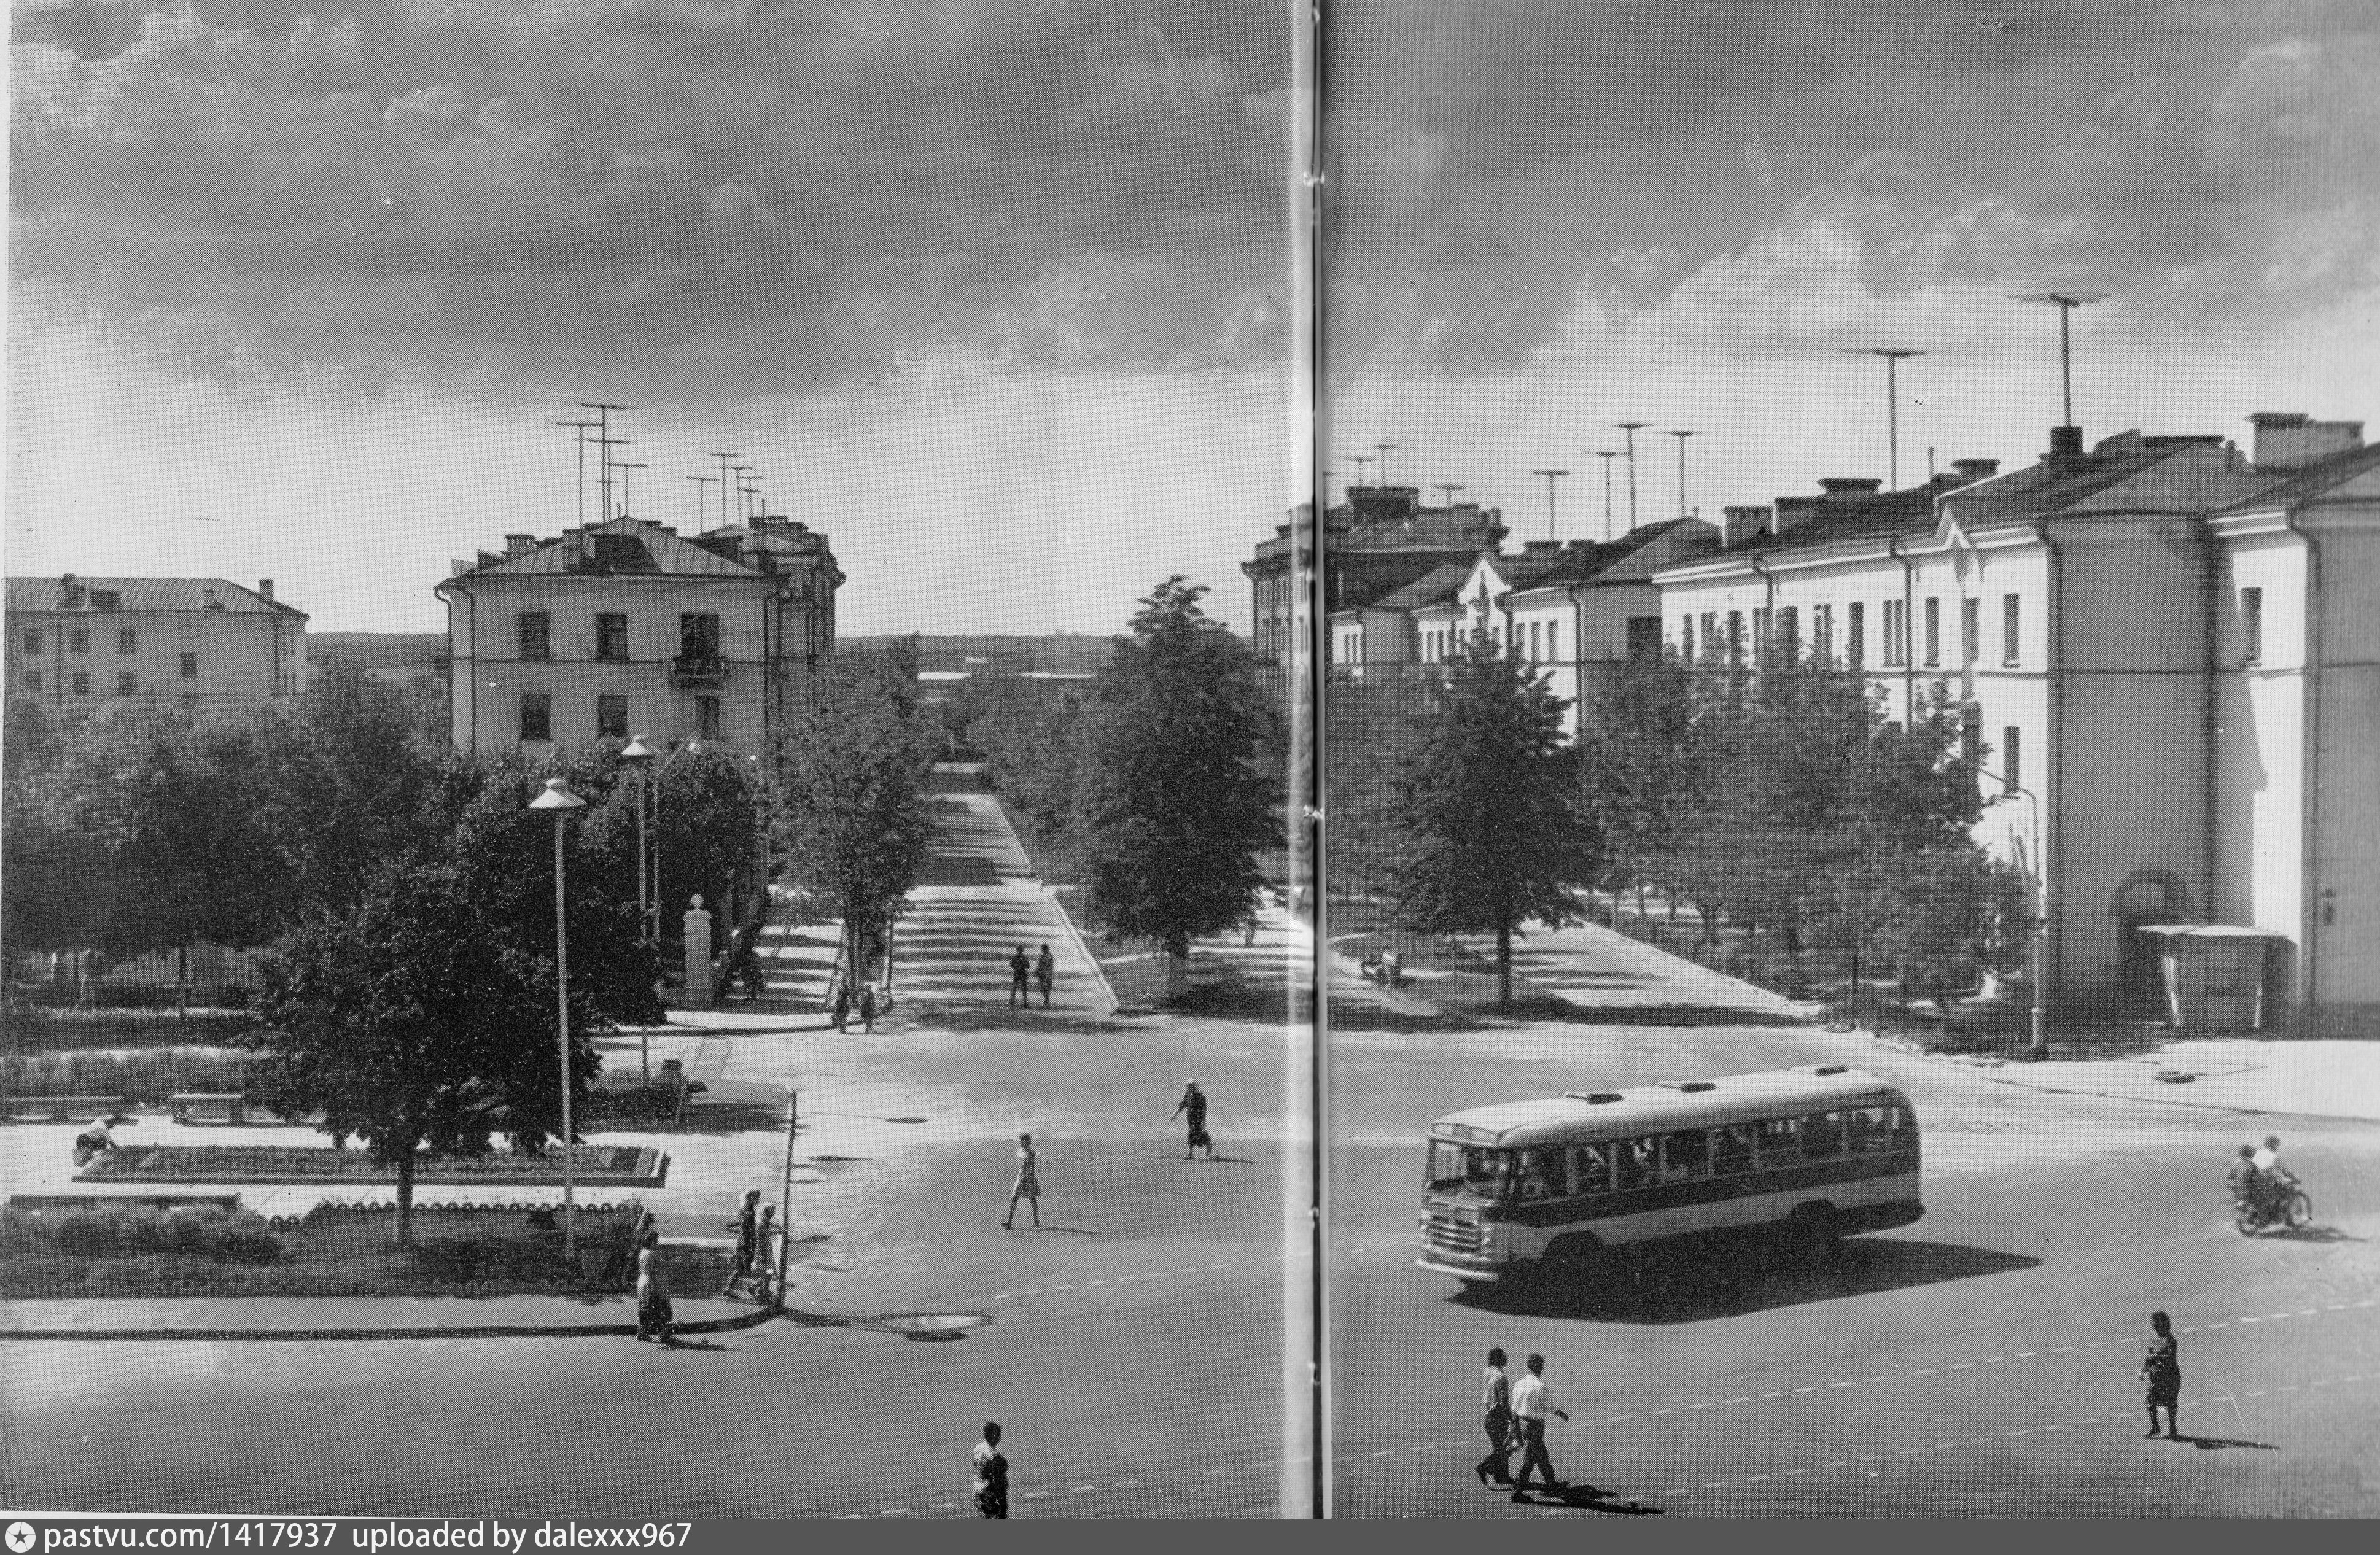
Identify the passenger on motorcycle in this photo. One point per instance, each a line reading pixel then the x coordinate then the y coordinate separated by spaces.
pixel 2244 1181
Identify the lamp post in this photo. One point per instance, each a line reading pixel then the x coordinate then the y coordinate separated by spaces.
pixel 2041 908
pixel 558 798
pixel 640 757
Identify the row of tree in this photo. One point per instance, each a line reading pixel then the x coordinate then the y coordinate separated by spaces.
pixel 1784 803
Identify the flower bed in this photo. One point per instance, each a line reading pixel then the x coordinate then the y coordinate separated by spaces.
pixel 616 1165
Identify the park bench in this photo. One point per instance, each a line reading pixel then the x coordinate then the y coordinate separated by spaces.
pixel 234 1105
pixel 67 1109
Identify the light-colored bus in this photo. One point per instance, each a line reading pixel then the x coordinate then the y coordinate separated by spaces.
pixel 1817 1151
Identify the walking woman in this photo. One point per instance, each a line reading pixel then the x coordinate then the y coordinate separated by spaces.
pixel 2162 1372
pixel 653 1314
pixel 1028 1184
pixel 990 1476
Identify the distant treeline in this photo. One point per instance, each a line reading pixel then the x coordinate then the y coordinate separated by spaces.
pixel 377 650
pixel 1064 654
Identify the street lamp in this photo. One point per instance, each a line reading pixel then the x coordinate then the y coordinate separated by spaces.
pixel 558 798
pixel 2041 894
pixel 639 757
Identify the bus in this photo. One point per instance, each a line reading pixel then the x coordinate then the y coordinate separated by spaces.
pixel 1816 1152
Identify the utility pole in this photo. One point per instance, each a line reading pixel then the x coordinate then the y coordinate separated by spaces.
pixel 700 481
pixel 1682 437
pixel 1446 491
pixel 1607 455
pixel 1384 448
pixel 603 440
pixel 583 427
pixel 1551 476
pixel 1892 356
pixel 1630 429
pixel 2065 302
pixel 724 484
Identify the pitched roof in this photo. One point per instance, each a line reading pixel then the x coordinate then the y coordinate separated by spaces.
pixel 1618 561
pixel 2056 485
pixel 144 593
pixel 2309 483
pixel 624 545
pixel 1839 515
pixel 1433 587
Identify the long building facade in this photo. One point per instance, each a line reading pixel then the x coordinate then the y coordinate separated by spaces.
pixel 198 642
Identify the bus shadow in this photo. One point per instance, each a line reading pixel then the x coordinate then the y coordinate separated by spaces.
pixel 1690 1284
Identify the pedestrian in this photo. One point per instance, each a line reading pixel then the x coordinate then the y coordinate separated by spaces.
pixel 1028 1184
pixel 2161 1369
pixel 771 1268
pixel 92 1141
pixel 746 1227
pixel 867 1007
pixel 1193 1102
pixel 1020 967
pixel 841 1004
pixel 1496 1397
pixel 653 1314
pixel 990 1476
pixel 1045 972
pixel 1531 1403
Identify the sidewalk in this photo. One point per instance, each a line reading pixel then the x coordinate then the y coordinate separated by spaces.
pixel 319 1318
pixel 2248 1074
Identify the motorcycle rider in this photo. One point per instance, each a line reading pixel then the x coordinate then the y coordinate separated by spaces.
pixel 2278 1181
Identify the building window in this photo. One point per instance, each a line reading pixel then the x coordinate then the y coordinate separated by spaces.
pixel 2252 625
pixel 1933 631
pixel 1643 639
pixel 1710 635
pixel 1789 634
pixel 2011 613
pixel 611 638
pixel 128 642
pixel 1537 643
pixel 1553 638
pixel 1686 638
pixel 2011 775
pixel 33 680
pixel 697 636
pixel 1822 635
pixel 1760 635
pixel 1971 736
pixel 1855 638
pixel 82 682
pixel 33 640
pixel 707 709
pixel 1896 632
pixel 536 634
pixel 79 641
pixel 1971 632
pixel 1735 637
pixel 190 666
pixel 611 716
pixel 127 683
pixel 537 716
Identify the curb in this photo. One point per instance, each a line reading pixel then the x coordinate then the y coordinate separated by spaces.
pixel 1050 894
pixel 1942 1062
pixel 483 1331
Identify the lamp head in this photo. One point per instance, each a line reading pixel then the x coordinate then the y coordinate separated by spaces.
pixel 637 751
pixel 558 796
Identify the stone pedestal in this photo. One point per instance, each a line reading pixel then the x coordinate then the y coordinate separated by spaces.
pixel 699 992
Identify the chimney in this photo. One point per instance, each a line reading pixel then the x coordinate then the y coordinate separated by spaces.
pixel 1794 512
pixel 2065 443
pixel 1968 471
pixel 1540 549
pixel 71 591
pixel 516 545
pixel 1741 524
pixel 264 588
pixel 2291 440
pixel 1851 486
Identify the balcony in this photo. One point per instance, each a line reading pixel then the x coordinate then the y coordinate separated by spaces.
pixel 696 669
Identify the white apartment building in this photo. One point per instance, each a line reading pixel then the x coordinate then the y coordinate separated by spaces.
pixel 199 643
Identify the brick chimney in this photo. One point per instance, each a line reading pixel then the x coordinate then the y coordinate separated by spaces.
pixel 517 544
pixel 264 588
pixel 1851 486
pixel 1966 472
pixel 1793 511
pixel 1741 524
pixel 2065 443
pixel 2291 440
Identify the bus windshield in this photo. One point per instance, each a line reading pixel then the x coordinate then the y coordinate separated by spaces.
pixel 1468 1169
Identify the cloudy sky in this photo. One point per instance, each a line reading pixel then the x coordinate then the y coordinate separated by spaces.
pixel 1001 293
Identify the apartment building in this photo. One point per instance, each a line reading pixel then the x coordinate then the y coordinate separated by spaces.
pixel 628 627
pixel 199 643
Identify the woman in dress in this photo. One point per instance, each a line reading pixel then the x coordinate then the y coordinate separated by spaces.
pixel 990 1476
pixel 2162 1372
pixel 653 1313
pixel 1028 1184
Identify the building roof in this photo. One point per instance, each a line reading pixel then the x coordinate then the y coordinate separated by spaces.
pixel 623 546
pixel 1433 587
pixel 1840 516
pixel 2309 483
pixel 31 594
pixel 2056 485
pixel 1625 560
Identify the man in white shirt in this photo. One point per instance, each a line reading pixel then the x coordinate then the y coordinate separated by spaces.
pixel 1531 1403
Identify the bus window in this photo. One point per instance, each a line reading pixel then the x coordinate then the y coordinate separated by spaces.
pixel 1640 1163
pixel 1685 1155
pixel 1822 1135
pixel 1468 1169
pixel 1731 1149
pixel 1539 1173
pixel 1904 1128
pixel 1592 1164
pixel 1780 1141
pixel 1871 1130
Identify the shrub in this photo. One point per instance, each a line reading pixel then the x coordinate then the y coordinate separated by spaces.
pixel 36 1028
pixel 113 1230
pixel 141 1077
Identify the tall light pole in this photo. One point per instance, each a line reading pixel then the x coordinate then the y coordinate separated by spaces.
pixel 1551 476
pixel 1682 437
pixel 1892 356
pixel 558 798
pixel 1630 429
pixel 640 757
pixel 1607 455
pixel 1384 448
pixel 2065 302
pixel 2041 909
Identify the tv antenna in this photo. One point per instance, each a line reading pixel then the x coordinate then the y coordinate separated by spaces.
pixel 624 471
pixel 583 428
pixel 2066 303
pixel 760 503
pixel 1551 476
pixel 725 485
pixel 1384 448
pixel 1607 455
pixel 208 518
pixel 1893 356
pixel 701 481
pixel 1682 437
pixel 602 438
pixel 1360 460
pixel 1446 491
pixel 741 491
pixel 1630 429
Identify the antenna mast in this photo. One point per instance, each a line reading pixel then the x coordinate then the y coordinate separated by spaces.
pixel 725 485
pixel 1682 437
pixel 1630 429
pixel 1607 455
pixel 701 482
pixel 583 428
pixel 2065 302
pixel 1892 356
pixel 1551 476
pixel 604 439
pixel 1360 460
pixel 624 471
pixel 1384 448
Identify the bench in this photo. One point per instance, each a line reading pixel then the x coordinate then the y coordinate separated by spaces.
pixel 234 1105
pixel 68 1109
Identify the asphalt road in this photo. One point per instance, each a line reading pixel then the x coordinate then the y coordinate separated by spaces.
pixel 1982 1362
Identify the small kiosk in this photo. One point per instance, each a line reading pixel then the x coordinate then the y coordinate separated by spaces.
pixel 2213 974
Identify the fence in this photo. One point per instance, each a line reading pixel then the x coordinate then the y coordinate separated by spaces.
pixel 201 966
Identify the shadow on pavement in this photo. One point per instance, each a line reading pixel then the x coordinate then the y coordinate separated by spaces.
pixel 2217 1443
pixel 1540 1012
pixel 1689 1283
pixel 1586 1498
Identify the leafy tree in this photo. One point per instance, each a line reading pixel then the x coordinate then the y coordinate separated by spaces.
pixel 1491 828
pixel 1365 726
pixel 1638 769
pixel 1174 800
pixel 1954 912
pixel 1029 732
pixel 417 1024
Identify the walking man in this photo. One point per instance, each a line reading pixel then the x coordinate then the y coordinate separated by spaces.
pixel 2161 1370
pixel 1496 1468
pixel 1193 1102
pixel 1531 1403
pixel 1045 972
pixel 990 1476
pixel 867 1007
pixel 769 1265
pixel 1020 967
pixel 746 1227
pixel 841 1004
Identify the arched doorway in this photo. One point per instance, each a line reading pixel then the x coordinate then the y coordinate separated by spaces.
pixel 2147 897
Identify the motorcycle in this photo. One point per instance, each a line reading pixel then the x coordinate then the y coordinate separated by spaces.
pixel 2292 1210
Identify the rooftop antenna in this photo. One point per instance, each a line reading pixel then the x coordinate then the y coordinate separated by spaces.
pixel 208 518
pixel 1682 437
pixel 624 471
pixel 1551 476
pixel 603 468
pixel 583 428
pixel 760 503
pixel 1384 448
pixel 1360 460
pixel 741 492
pixel 701 481
pixel 725 485
pixel 1323 476
pixel 1630 429
pixel 1446 490
pixel 2065 302
pixel 1607 455
pixel 602 437
pixel 1892 356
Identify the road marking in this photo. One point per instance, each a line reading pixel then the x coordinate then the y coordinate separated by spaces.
pixel 895 1511
pixel 1681 1491
pixel 1095 1285
pixel 2095 1345
pixel 1842 1384
pixel 1811 1388
pixel 1425 1447
pixel 1927 1372
pixel 2027 1432
pixel 944 1506
pixel 2053 1427
pixel 1790 1473
pixel 1772 1395
pixel 1994 1360
pixel 2029 1354
pixel 1910 1452
pixel 1386 1452
pixel 1753 1478
pixel 1664 1411
pixel 1617 1418
pixel 2218 1325
pixel 1065 1287
pixel 1036 1495
pixel 1703 1405
pixel 2252 1319
pixel 1121 1483
pixel 1838 1463
pixel 1962 1366
pixel 2062 1349
pixel 1742 1399
pixel 1714 1484
pixel 1079 1489
pixel 1002 1297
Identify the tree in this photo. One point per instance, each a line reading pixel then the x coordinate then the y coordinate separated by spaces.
pixel 1491 827
pixel 1955 913
pixel 417 1024
pixel 1636 757
pixel 1029 732
pixel 1365 725
pixel 1174 800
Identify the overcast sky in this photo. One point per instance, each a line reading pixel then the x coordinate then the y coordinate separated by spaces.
pixel 999 294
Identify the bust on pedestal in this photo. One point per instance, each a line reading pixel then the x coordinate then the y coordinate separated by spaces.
pixel 697 955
